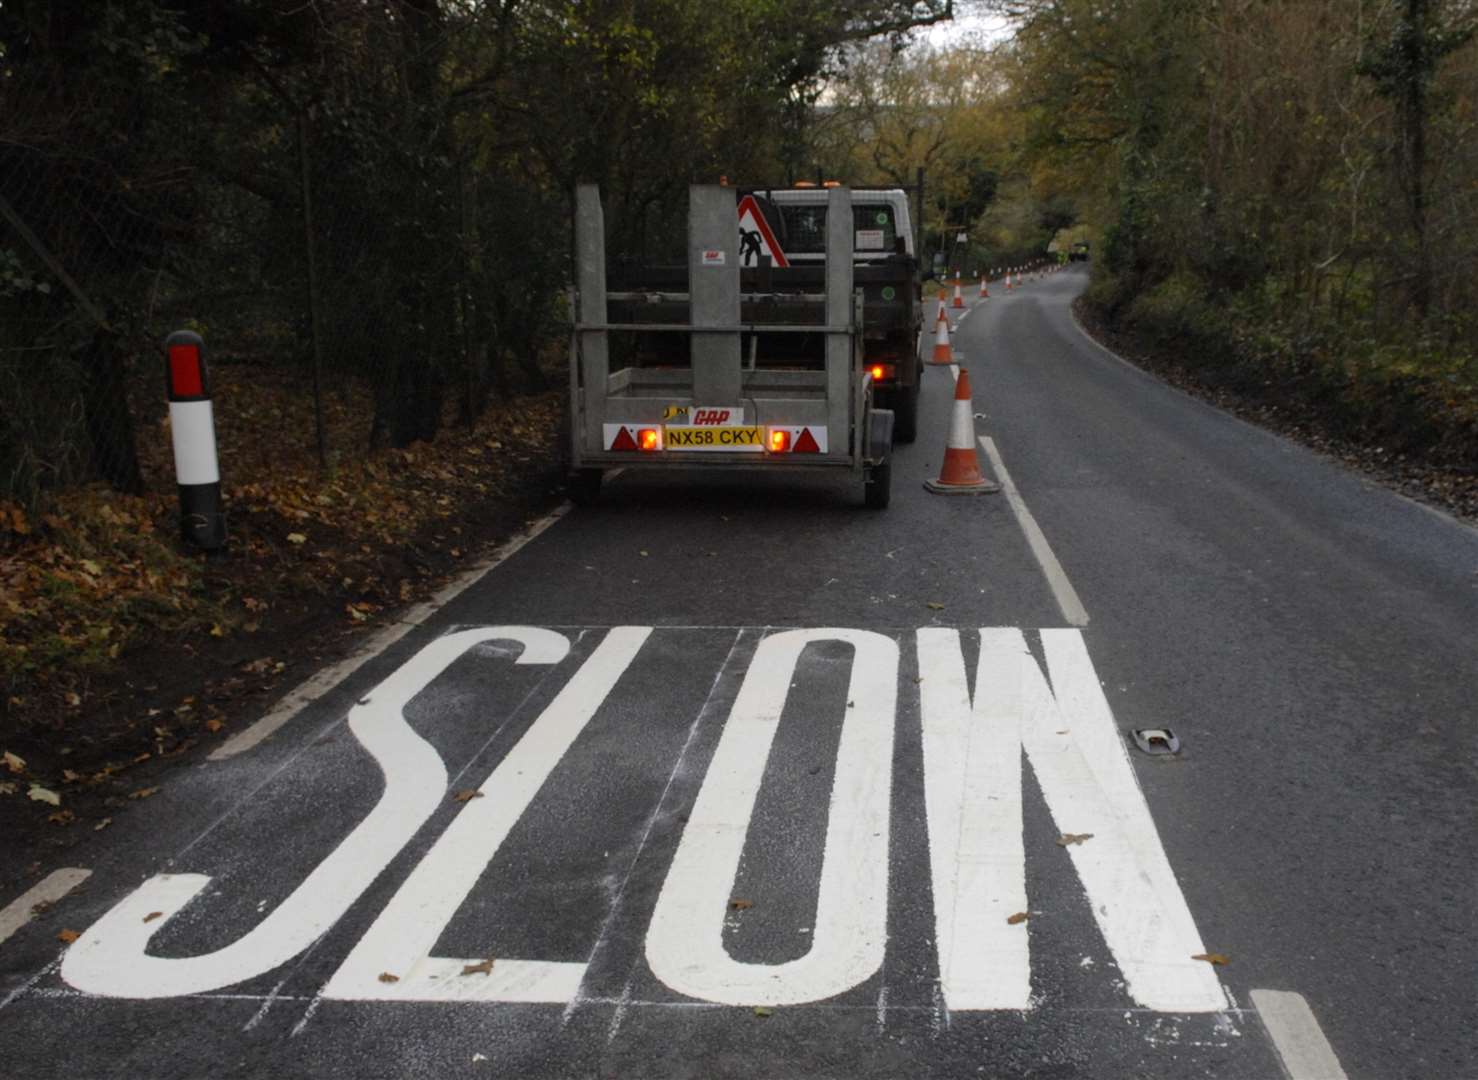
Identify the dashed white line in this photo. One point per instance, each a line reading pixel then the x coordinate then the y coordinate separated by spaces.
pixel 1296 1035
pixel 48 890
pixel 315 687
pixel 1062 589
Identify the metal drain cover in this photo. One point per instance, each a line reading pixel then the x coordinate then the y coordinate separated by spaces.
pixel 1156 740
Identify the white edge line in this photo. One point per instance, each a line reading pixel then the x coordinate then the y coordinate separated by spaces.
pixel 1296 1035
pixel 314 687
pixel 1359 474
pixel 1062 589
pixel 48 890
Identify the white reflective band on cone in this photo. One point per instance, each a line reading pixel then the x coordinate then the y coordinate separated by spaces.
pixel 193 430
pixel 961 428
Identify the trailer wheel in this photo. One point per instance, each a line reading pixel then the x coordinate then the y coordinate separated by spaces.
pixel 877 488
pixel 906 414
pixel 583 486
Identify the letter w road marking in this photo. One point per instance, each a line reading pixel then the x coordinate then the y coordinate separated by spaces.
pixel 972 778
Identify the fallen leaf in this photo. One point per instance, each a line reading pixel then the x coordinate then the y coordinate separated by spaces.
pixel 741 905
pixel 217 630
pixel 1067 839
pixel 142 793
pixel 72 698
pixel 763 1011
pixel 8 788
pixel 296 538
pixel 1019 917
pixel 46 795
pixel 467 794
pixel 1213 958
pixel 68 936
pixel 101 825
pixel 386 977
pixel 935 606
pixel 71 777
pixel 91 567
pixel 153 915
pixel 483 968
pixel 213 724
pixel 14 763
pixel 61 817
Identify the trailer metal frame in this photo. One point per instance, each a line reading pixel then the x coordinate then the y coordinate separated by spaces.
pixel 837 396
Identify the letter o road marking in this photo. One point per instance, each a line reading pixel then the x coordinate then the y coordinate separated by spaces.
pixel 685 947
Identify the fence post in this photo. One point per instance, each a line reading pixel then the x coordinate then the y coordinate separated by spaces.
pixel 193 430
pixel 315 318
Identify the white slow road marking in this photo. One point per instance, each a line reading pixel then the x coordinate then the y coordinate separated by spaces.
pixel 973 755
pixel 685 943
pixel 1062 589
pixel 1300 1042
pixel 401 939
pixel 111 959
pixel 48 890
pixel 313 688
pixel 972 778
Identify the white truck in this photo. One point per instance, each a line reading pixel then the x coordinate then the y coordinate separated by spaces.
pixel 887 270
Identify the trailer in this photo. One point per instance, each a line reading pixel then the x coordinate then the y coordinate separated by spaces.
pixel 712 366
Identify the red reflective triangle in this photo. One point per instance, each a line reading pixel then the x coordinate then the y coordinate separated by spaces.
pixel 624 441
pixel 806 444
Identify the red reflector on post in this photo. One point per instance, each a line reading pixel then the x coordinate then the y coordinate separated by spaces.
pixel 184 372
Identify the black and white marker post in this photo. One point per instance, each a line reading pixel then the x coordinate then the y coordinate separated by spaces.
pixel 193 427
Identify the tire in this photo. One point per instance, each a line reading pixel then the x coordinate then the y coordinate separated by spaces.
pixel 906 414
pixel 877 488
pixel 583 486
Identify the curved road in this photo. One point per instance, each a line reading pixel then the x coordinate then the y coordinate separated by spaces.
pixel 728 776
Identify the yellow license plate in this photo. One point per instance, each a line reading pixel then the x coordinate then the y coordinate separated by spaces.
pixel 715 438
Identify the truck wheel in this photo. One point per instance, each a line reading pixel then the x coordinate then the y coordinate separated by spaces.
pixel 877 488
pixel 583 486
pixel 906 414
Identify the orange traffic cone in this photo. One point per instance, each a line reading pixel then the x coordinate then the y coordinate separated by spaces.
pixel 960 473
pixel 1008 281
pixel 942 351
pixel 984 292
pixel 959 300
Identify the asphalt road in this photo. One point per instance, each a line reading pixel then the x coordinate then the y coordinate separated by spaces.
pixel 728 776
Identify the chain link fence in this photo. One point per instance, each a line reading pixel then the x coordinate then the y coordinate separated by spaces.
pixel 361 273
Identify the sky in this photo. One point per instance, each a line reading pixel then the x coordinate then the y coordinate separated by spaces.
pixel 965 25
